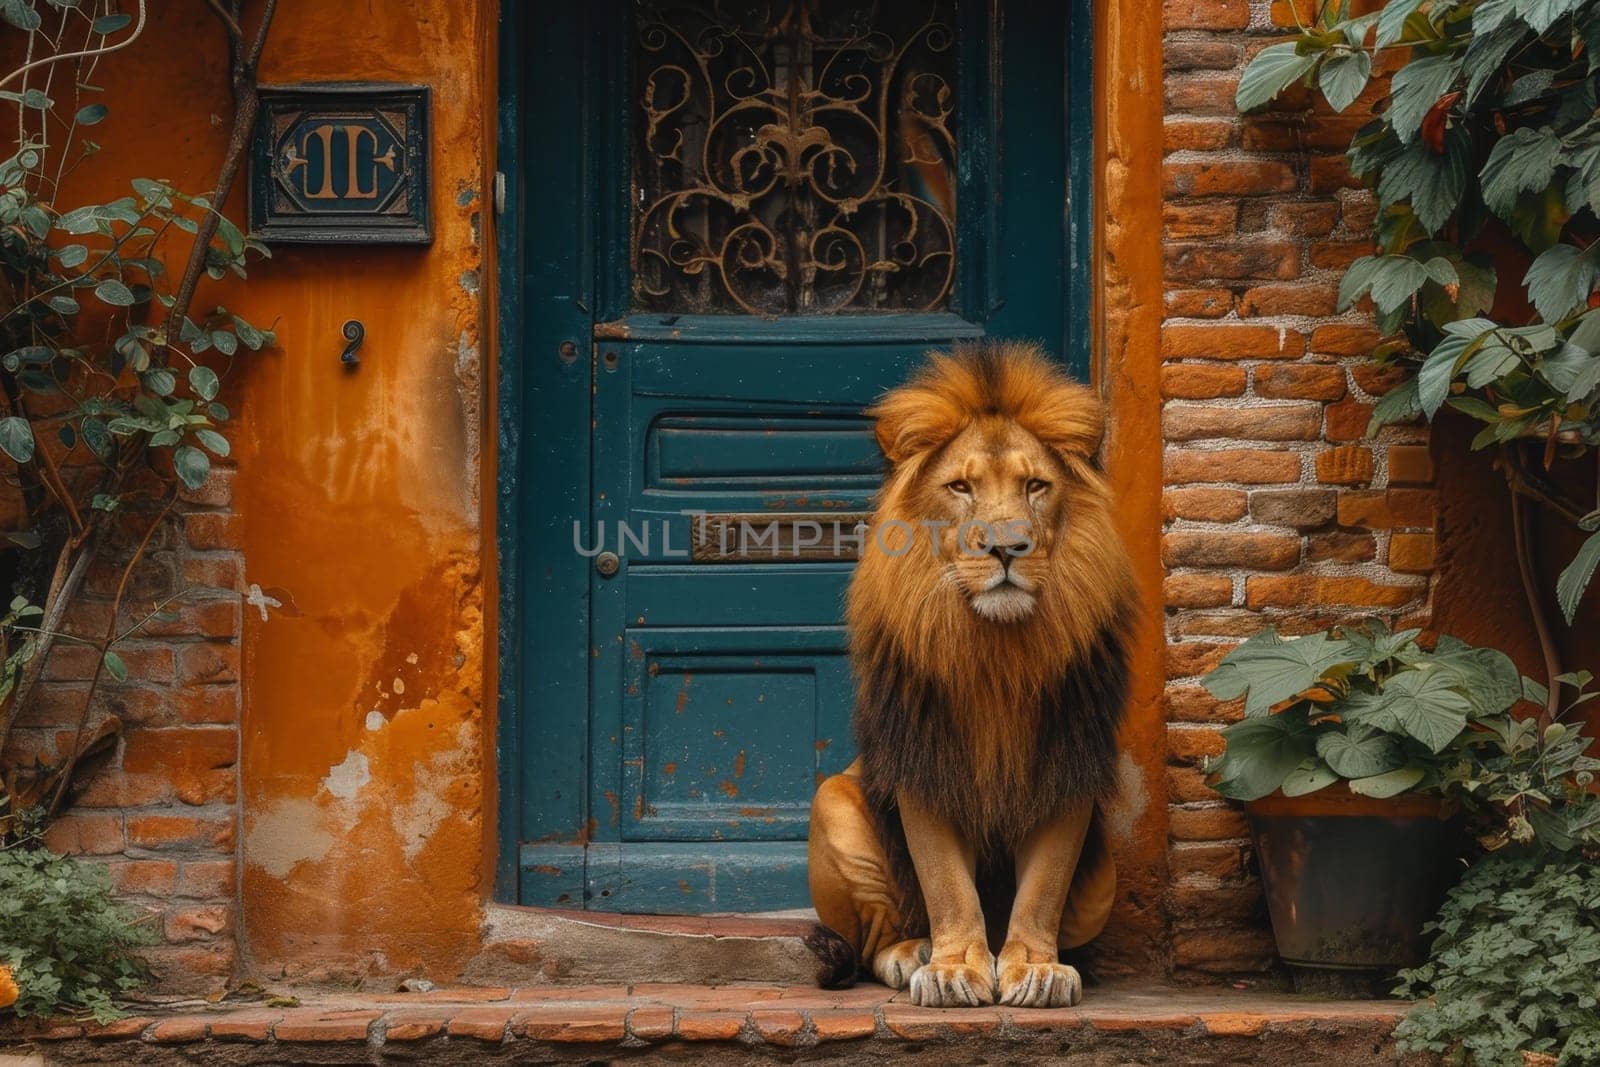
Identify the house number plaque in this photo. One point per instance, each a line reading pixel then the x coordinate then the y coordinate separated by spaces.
pixel 342 163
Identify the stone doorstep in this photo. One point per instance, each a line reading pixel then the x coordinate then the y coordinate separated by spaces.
pixel 748 1015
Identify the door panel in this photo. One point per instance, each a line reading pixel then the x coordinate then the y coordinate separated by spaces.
pixel 739 224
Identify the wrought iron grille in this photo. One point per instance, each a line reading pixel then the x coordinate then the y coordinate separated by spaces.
pixel 794 156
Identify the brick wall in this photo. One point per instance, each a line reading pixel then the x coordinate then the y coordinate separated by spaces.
pixel 1276 509
pixel 161 811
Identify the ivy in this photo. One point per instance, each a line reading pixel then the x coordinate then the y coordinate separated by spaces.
pixel 1490 135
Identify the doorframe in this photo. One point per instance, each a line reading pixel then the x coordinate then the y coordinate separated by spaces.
pixel 516 442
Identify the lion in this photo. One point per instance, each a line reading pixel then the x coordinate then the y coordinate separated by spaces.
pixel 989 619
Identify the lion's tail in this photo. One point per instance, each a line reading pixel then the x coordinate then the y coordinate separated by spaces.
pixel 1094 889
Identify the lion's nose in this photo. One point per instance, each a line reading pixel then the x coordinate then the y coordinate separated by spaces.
pixel 1004 554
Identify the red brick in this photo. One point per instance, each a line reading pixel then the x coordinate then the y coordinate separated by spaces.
pixel 1380 509
pixel 198 923
pixel 179 831
pixel 251 1024
pixel 1208 902
pixel 572 1024
pixel 1200 53
pixel 1348 420
pixel 1191 422
pixel 1225 950
pixel 1329 174
pixel 1411 553
pixel 84 834
pixel 1191 703
pixel 211 572
pixel 207 703
pixel 1288 591
pixel 309 1024
pixel 1341 339
pixel 844 1024
pixel 1410 465
pixel 483 1023
pixel 1358 210
pixel 1189 262
pixel 1245 466
pixel 1187 785
pixel 204 618
pixel 1206 824
pixel 182 749
pixel 1201 94
pixel 1198 303
pixel 1341 547
pixel 1204 505
pixel 1376 380
pixel 1302 508
pixel 1345 465
pixel 1226 178
pixel 418 1024
pixel 206 879
pixel 1188 658
pixel 1300 381
pixel 650 1023
pixel 74 662
pixel 1299 133
pixel 1293 13
pixel 180 1030
pixel 215 492
pixel 710 1025
pixel 1305 218
pixel 1265 551
pixel 1196 861
pixel 1338 255
pixel 1225 341
pixel 1205 14
pixel 1229 623
pixel 151 878
pixel 1199 220
pixel 109 788
pixel 1309 299
pixel 212 530
pixel 1189 744
pixel 778 1027
pixel 1199 381
pixel 1200 135
pixel 209 662
pixel 1197 590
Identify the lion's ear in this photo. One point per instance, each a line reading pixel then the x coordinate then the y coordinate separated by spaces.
pixel 914 419
pixel 1068 418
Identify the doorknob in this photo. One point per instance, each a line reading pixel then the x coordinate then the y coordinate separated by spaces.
pixel 607 563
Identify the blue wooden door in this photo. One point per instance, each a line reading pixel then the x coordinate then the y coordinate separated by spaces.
pixel 727 229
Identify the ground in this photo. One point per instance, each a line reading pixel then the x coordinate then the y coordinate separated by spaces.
pixel 736 1023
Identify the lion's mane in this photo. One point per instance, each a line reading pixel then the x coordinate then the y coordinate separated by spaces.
pixel 994 726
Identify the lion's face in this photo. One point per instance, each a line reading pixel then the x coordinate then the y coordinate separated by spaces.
pixel 994 499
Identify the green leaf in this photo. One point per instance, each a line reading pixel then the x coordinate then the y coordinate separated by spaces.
pixel 1437 371
pixel 160 381
pixel 1392 21
pixel 114 664
pixel 111 23
pixel 1426 705
pixel 1561 280
pixel 1272 71
pixel 1343 76
pixel 1487 52
pixel 92 114
pixel 70 256
pixel 203 380
pixel 1261 753
pixel 1523 161
pixel 192 465
pixel 113 292
pixel 1359 752
pixel 16 438
pixel 1399 404
pixel 1388 784
pixel 1266 670
pixel 1570 586
pixel 213 440
pixel 1415 88
pixel 1485 676
pixel 1432 183
pixel 1309 777
pixel 1542 14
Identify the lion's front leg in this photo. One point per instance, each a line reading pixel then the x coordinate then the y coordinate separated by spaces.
pixel 960 969
pixel 1030 972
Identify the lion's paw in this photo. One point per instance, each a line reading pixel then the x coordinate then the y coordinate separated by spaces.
pixel 952 985
pixel 894 966
pixel 1039 985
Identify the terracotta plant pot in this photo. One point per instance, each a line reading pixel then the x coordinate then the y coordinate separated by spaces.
pixel 1350 880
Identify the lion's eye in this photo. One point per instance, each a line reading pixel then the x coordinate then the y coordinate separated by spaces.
pixel 1037 485
pixel 959 487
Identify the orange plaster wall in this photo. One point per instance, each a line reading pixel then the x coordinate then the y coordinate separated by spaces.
pixel 366 764
pixel 366 788
pixel 1128 304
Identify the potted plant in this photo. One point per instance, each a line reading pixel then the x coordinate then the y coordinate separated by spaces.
pixel 1351 761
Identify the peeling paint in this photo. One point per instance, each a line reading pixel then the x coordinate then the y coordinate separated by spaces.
pixel 346 778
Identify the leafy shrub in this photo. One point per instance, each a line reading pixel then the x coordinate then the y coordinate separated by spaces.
pixel 1486 152
pixel 1357 703
pixel 66 941
pixel 1514 966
